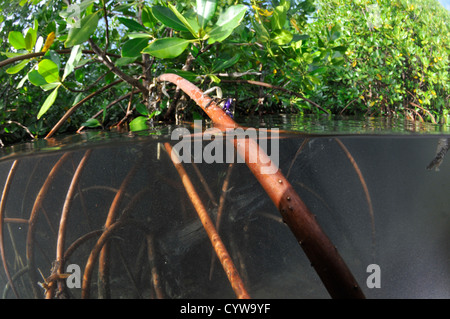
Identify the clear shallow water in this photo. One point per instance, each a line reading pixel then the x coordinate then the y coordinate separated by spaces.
pixel 407 236
pixel 290 123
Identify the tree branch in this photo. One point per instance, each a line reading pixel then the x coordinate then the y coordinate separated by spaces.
pixel 106 61
pixel 123 97
pixel 279 88
pixel 64 51
pixel 73 108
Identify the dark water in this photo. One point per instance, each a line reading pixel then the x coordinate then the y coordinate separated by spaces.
pixel 406 233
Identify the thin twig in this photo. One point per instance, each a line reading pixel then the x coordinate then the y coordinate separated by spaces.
pixel 279 88
pixel 104 290
pixel 76 106
pixel 37 54
pixel 5 192
pixel 109 105
pixel 204 183
pixel 154 270
pixel 125 77
pixel 296 155
pixel 64 218
pixel 364 185
pixel 33 218
pixel 107 233
pixel 222 199
pixel 90 85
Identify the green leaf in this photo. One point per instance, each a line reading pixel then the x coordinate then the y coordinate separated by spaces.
pixel 147 17
pixel 49 70
pixel 79 35
pixel 314 79
pixel 36 78
pixel 22 82
pixel 261 31
pixel 205 11
pixel 142 109
pixel 167 48
pixel 48 102
pixel 91 123
pixel 214 78
pixel 133 47
pixel 319 70
pixel 183 20
pixel 139 124
pixel 16 68
pixel 124 61
pixel 30 39
pixel 222 65
pixel 154 113
pixel 190 76
pixel 75 56
pixel 226 23
pixel 340 48
pixel 50 86
pixel 132 24
pixel 12 54
pixel 168 18
pixel 17 40
pixel 135 35
pixel 278 18
pixel 281 37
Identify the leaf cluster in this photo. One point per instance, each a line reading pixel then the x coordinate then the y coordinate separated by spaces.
pixel 59 61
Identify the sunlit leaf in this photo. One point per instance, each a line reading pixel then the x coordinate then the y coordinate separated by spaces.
pixel 205 11
pixel 50 86
pixel 183 20
pixel 75 56
pixel 48 102
pixel 167 48
pixel 139 124
pixel 17 40
pixel 49 70
pixel 135 35
pixel 279 18
pixel 226 23
pixel 281 37
pixel 79 35
pixel 22 82
pixel 76 9
pixel 91 123
pixel 16 68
